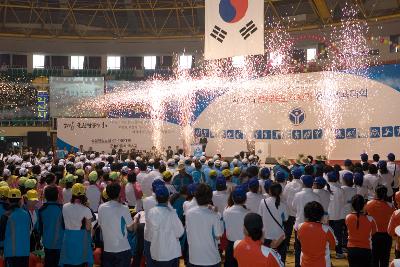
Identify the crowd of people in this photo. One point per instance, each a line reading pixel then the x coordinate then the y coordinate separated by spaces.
pixel 92 208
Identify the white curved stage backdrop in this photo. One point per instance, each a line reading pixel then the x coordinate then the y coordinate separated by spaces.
pixel 337 114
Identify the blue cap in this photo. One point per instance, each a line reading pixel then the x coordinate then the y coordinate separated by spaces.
pixel 239 194
pixel 156 183
pixel 267 184
pixel 307 180
pixel 297 173
pixel 280 176
pixel 265 173
pixel 348 176
pixel 348 162
pixel 253 182
pixel 161 191
pixel 333 176
pixel 192 188
pixel 364 157
pixel 358 179
pixel 320 181
pixel 391 157
pixel 382 164
pixel 221 181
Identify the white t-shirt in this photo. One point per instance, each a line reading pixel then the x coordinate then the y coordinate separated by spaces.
pixel 203 226
pixel 234 220
pixel 188 204
pixel 67 195
pixel 253 201
pixel 73 215
pixel 113 220
pixel 220 200
pixel 94 197
pixel 130 195
pixel 148 203
pixel 272 230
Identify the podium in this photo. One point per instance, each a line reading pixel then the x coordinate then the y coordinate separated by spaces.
pixel 197 150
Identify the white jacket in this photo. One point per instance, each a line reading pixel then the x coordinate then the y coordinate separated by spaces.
pixel 166 229
pixel 300 200
pixel 291 189
pixel 336 205
pixel 394 169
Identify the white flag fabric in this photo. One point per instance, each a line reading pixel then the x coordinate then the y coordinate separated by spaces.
pixel 234 28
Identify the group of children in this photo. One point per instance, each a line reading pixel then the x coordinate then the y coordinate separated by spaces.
pixel 200 210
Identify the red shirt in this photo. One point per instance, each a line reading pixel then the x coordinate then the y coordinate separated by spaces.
pixel 381 211
pixel 315 239
pixel 249 253
pixel 393 223
pixel 360 237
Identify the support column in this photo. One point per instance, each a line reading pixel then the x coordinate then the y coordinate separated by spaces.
pixel 103 64
pixel 29 62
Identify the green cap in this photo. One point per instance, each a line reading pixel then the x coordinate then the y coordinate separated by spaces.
pixel 22 180
pixel 69 178
pixel 113 175
pixel 80 172
pixel 93 176
pixel 30 183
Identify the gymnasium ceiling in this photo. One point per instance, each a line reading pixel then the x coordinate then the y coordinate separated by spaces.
pixel 169 19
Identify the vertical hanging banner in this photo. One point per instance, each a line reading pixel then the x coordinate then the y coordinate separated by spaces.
pixel 233 28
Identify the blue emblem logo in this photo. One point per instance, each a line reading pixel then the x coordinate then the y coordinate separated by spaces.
pixel 297 116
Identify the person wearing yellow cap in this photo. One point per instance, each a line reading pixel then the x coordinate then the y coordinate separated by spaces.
pixel 236 175
pixel 167 177
pixel 51 226
pixel 15 232
pixel 93 192
pixel 31 206
pixel 212 179
pixel 21 184
pixel 69 180
pixel 77 218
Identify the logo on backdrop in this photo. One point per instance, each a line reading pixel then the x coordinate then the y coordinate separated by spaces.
pixel 297 116
pixel 232 11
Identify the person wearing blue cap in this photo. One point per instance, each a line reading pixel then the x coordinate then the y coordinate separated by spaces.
pixel 267 185
pixel 300 200
pixel 254 196
pixel 288 194
pixel 348 168
pixel 394 170
pixel 265 173
pixel 233 218
pixel 165 229
pixel 336 211
pixel 375 158
pixel 349 192
pixel 190 200
pixel 204 227
pixel 274 214
pixel 361 189
pixel 371 180
pixel 364 157
pixel 386 178
pixel 149 203
pixel 280 177
pixel 220 197
pixel 325 195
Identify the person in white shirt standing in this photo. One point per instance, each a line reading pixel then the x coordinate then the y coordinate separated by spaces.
pixel 274 214
pixel 394 169
pixel 93 192
pixel 348 166
pixel 204 227
pixel 325 196
pixel 165 230
pixel 386 178
pixel 133 192
pixel 141 178
pixel 336 211
pixel 300 200
pixel 115 220
pixel 349 192
pixel 371 180
pixel 220 197
pixel 254 197
pixel 234 219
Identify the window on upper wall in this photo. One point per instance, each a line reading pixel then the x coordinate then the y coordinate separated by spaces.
pixel 149 62
pixel 238 61
pixel 77 62
pixel 311 54
pixel 38 61
pixel 113 63
pixel 185 61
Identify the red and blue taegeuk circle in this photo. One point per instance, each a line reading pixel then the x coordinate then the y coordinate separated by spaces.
pixel 232 11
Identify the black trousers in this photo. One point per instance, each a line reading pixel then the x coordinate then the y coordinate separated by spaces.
pixel 118 259
pixel 52 257
pixel 338 227
pixel 297 250
pixel 171 263
pixel 381 245
pixel 140 245
pixel 282 249
pixel 17 262
pixel 359 257
pixel 289 229
pixel 230 261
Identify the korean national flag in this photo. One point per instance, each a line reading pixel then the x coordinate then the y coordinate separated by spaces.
pixel 234 28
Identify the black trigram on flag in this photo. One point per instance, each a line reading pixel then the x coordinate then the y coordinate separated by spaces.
pixel 248 30
pixel 218 34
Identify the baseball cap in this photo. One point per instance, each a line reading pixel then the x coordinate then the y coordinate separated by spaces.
pixel 213 173
pixel 358 179
pixel 113 175
pixel 364 157
pixel 226 173
pixel 382 164
pixel 348 162
pixel 320 181
pixel 221 181
pixel 23 171
pixel 80 172
pixel 253 182
pixel 6 173
pixel 239 194
pixel 14 193
pixel 69 178
pixel 78 189
pixel 236 171
pixel 297 173
pixel 192 188
pixel 307 180
pixel 180 167
pixel 348 176
pixel 333 176
pixel 32 195
pixel 22 180
pixel 280 176
pixel 4 191
pixel 265 173
pixel 167 174
pixel 217 162
pixel 162 191
pixel 93 176
pixel 157 182
pixel 3 183
pixel 267 184
pixel 30 183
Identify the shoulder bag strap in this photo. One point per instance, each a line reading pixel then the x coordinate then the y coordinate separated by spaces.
pixel 270 213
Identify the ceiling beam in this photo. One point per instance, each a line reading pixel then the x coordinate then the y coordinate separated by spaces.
pixel 322 10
